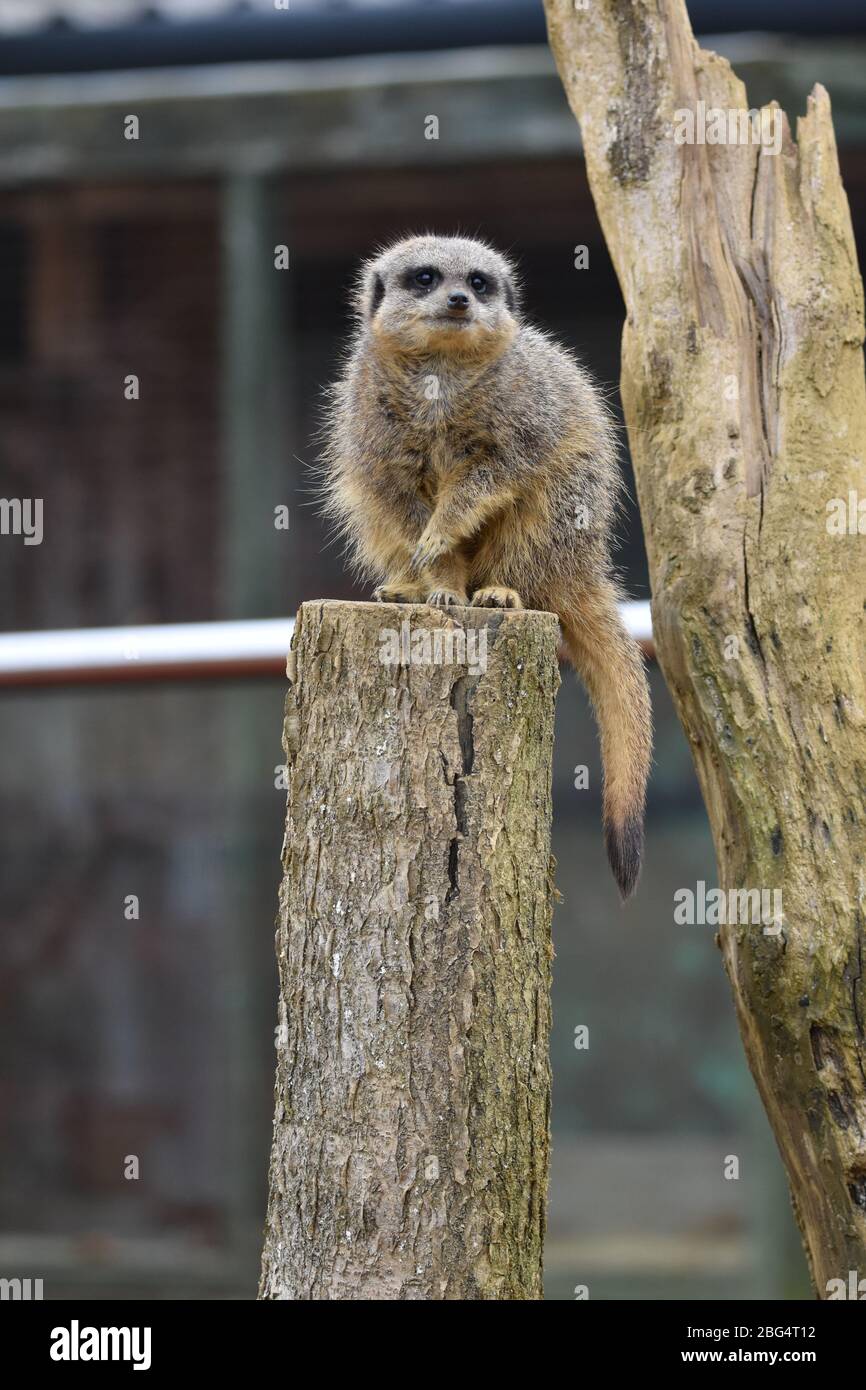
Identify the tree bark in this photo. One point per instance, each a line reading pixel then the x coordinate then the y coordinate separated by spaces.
pixel 410 1148
pixel 743 389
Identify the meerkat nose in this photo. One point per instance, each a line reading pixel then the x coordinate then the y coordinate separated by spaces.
pixel 458 300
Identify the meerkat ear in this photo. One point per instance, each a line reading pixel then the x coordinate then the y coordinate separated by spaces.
pixel 375 293
pixel 371 292
pixel 368 291
pixel 511 295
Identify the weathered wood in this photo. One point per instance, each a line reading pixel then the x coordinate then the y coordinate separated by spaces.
pixel 742 382
pixel 410 1149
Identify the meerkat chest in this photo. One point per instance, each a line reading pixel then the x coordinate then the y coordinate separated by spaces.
pixel 442 456
pixel 427 461
pixel 433 436
pixel 447 453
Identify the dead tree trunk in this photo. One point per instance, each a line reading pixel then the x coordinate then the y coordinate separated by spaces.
pixel 410 1147
pixel 742 382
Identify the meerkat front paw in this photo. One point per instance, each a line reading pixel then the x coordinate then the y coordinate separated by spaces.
pixel 430 548
pixel 496 597
pixel 399 593
pixel 446 598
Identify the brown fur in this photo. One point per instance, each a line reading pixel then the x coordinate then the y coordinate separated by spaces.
pixel 469 459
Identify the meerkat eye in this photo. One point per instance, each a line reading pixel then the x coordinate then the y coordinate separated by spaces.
pixel 478 282
pixel 425 278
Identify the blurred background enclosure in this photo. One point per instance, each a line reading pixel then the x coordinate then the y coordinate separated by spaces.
pixel 149 248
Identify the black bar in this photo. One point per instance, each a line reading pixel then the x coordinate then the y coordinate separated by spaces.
pixel 229 1338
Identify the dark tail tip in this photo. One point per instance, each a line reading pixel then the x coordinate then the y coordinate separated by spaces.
pixel 624 844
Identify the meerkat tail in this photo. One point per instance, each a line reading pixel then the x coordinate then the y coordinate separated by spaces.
pixel 611 667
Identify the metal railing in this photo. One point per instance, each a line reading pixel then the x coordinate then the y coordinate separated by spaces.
pixel 177 651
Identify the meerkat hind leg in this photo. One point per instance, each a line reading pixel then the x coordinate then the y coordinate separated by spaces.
pixel 496 596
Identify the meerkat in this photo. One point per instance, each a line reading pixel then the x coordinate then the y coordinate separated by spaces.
pixel 469 459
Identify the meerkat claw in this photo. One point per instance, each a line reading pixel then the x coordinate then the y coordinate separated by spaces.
pixel 446 598
pixel 496 597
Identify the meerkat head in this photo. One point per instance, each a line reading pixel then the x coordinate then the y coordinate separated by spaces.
pixel 440 294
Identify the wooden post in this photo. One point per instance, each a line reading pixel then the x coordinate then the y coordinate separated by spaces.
pixel 410 1149
pixel 743 389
